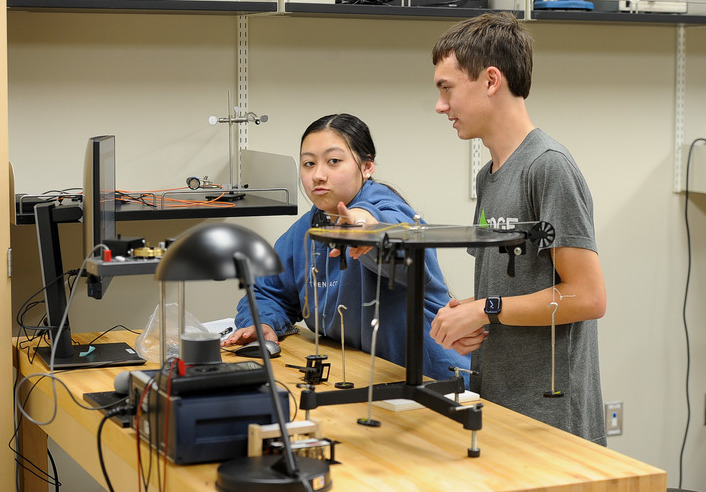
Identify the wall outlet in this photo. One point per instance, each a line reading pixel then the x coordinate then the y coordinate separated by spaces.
pixel 614 418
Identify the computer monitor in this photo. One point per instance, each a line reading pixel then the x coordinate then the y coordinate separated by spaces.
pixel 98 203
pixel 99 225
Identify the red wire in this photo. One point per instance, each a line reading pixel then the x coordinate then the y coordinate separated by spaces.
pixel 139 456
pixel 166 418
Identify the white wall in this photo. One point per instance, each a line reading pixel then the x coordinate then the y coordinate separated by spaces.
pixel 605 91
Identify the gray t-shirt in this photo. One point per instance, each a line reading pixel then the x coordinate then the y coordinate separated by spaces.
pixel 539 182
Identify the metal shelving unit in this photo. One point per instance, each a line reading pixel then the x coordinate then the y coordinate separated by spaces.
pixel 145 6
pixel 395 9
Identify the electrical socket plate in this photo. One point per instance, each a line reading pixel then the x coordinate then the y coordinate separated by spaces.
pixel 614 418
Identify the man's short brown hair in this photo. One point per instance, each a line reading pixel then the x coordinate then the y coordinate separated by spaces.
pixel 490 40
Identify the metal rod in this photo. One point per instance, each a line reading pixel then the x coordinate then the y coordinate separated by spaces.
pixel 163 324
pixel 316 309
pixel 230 138
pixel 375 324
pixel 343 342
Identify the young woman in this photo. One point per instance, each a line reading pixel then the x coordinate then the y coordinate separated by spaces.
pixel 337 162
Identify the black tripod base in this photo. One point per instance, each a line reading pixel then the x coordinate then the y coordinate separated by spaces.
pixel 429 394
pixel 268 474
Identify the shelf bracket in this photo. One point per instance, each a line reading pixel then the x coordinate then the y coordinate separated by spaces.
pixel 476 164
pixel 242 85
pixel 679 96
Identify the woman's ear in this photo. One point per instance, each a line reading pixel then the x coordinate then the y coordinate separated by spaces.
pixel 368 169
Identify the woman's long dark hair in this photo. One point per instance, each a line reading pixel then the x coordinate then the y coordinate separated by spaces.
pixel 351 129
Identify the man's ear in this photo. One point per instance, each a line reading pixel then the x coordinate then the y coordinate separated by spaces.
pixel 493 78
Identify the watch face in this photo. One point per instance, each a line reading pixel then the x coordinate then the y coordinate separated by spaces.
pixel 493 305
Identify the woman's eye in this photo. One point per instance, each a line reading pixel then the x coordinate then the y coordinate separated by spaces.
pixel 307 164
pixel 334 161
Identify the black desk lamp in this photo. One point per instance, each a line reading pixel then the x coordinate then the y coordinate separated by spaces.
pixel 219 251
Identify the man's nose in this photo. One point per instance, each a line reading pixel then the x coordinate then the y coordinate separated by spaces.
pixel 441 106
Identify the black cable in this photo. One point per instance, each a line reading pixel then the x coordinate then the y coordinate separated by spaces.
pixel 291 394
pixel 21 460
pixel 57 483
pixel 117 411
pixel 686 295
pixel 142 404
pixel 105 418
pixel 19 318
pixel 111 329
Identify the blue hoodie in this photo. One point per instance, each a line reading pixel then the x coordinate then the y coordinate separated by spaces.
pixel 280 298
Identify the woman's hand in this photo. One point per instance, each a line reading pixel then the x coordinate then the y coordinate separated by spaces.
pixel 241 336
pixel 355 216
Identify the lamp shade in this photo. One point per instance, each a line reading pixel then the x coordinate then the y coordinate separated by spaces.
pixel 208 252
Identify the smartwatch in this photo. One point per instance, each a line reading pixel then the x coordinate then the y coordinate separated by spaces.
pixel 493 306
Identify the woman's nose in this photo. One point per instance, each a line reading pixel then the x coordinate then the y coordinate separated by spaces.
pixel 319 174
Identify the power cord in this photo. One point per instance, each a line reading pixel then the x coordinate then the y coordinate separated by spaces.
pixel 21 461
pixel 686 295
pixel 123 410
pixel 19 407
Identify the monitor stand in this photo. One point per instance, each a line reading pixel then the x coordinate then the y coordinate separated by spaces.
pixel 95 355
pixel 67 355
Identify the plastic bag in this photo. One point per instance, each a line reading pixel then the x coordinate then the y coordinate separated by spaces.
pixel 148 342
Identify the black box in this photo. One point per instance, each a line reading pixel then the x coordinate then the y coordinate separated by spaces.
pixel 202 428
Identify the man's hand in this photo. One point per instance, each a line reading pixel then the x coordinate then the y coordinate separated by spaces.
pixel 459 326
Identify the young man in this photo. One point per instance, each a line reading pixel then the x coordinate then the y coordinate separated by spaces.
pixel 483 73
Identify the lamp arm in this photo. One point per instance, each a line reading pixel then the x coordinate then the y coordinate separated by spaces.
pixel 242 264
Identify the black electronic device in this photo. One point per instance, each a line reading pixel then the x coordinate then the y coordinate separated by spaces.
pixel 24 204
pixel 99 213
pixel 98 204
pixel 493 307
pixel 201 427
pixel 218 378
pixel 123 246
pixel 108 401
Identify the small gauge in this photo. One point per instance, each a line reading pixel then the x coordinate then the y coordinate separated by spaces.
pixel 193 182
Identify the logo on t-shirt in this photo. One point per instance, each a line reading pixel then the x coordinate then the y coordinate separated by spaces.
pixel 497 222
